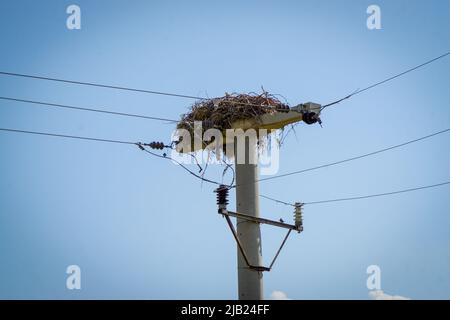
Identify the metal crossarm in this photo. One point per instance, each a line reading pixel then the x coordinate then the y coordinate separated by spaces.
pixel 260 220
pixel 227 214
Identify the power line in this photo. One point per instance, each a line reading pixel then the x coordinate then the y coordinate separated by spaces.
pixel 360 197
pixel 57 105
pixel 66 136
pixel 276 200
pixel 385 80
pixel 211 181
pixel 349 159
pixel 99 85
pixel 140 145
pixel 378 194
pixel 182 166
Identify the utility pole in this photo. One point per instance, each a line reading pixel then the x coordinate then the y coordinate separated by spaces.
pixel 248 233
pixel 250 281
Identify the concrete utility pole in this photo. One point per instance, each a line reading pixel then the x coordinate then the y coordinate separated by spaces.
pixel 248 233
pixel 250 281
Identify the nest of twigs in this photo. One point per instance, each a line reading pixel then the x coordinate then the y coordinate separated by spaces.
pixel 220 113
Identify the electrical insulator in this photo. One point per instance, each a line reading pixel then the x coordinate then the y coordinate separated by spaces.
pixel 298 217
pixel 156 145
pixel 283 108
pixel 222 197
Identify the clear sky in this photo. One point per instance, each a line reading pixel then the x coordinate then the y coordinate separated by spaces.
pixel 140 227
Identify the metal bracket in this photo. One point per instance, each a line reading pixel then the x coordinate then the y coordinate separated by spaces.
pixel 227 214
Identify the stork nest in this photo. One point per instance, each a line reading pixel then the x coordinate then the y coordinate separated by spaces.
pixel 220 113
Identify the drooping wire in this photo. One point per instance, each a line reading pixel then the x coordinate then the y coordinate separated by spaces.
pixel 64 106
pixel 181 165
pixel 385 80
pixel 228 166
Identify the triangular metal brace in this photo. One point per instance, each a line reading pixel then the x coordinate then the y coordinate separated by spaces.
pixel 227 214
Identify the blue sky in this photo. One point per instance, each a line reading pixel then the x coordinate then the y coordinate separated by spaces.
pixel 140 227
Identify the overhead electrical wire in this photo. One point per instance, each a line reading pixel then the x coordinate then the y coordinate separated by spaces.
pixel 178 95
pixel 378 194
pixel 276 200
pixel 361 197
pixel 385 80
pixel 64 106
pixel 139 144
pixel 183 166
pixel 348 159
pixel 57 135
pixel 203 98
pixel 99 85
pixel 186 96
